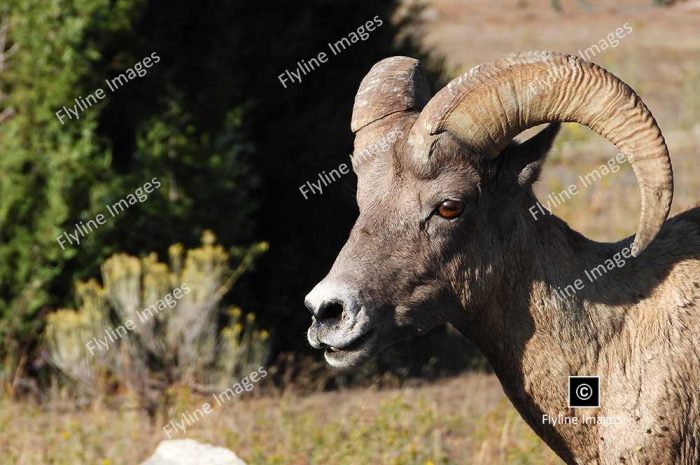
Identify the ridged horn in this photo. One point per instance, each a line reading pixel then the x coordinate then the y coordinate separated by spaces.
pixel 393 85
pixel 494 102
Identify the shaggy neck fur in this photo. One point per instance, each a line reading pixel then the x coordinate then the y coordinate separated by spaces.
pixel 552 326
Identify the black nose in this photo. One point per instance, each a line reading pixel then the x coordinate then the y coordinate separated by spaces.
pixel 326 311
pixel 330 311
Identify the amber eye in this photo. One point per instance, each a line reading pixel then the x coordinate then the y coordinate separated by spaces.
pixel 449 209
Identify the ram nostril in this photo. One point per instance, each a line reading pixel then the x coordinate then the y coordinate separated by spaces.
pixel 329 311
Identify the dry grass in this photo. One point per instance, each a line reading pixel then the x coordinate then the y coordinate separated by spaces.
pixel 466 420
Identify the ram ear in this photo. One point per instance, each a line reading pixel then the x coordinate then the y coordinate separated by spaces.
pixel 521 163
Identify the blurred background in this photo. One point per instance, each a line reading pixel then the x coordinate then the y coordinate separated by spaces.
pixel 230 146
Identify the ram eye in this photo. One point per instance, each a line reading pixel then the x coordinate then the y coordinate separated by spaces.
pixel 449 209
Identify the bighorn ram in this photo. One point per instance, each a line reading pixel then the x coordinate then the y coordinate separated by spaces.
pixel 445 234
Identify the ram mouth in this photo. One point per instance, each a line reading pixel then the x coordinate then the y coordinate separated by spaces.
pixel 356 344
pixel 354 354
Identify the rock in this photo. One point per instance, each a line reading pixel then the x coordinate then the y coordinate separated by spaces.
pixel 191 452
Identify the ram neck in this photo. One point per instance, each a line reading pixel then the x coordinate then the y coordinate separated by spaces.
pixel 540 325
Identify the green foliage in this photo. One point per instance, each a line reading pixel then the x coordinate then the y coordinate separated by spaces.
pixel 55 175
pixel 46 168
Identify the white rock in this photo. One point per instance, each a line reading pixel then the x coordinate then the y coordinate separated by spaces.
pixel 191 452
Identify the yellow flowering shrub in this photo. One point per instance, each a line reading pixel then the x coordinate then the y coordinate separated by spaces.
pixel 151 321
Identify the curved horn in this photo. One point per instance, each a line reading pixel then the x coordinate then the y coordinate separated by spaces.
pixel 494 102
pixel 393 85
